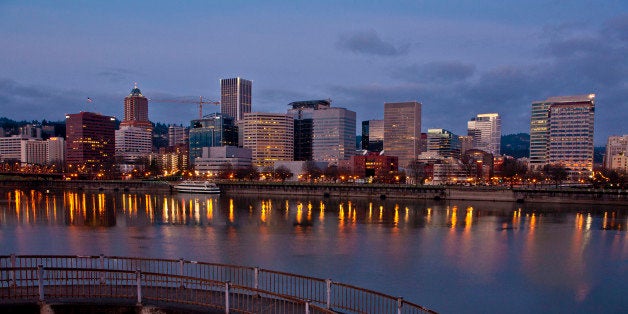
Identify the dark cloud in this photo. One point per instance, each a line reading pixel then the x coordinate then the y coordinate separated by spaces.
pixel 369 43
pixel 435 72
pixel 117 75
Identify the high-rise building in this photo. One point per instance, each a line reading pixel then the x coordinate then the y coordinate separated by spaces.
pixel 373 135
pixel 213 130
pixel 90 140
pixel 269 136
pixel 235 97
pixel 333 135
pixel 11 148
pixel 561 132
pixel 486 131
pixel 615 145
pixel 136 110
pixel 443 142
pixel 402 131
pixel 302 113
pixel 177 135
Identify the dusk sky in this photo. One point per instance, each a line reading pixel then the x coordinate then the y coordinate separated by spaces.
pixel 458 58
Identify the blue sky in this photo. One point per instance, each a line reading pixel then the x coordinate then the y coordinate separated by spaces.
pixel 459 58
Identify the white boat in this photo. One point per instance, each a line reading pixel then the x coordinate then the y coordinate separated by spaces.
pixel 197 187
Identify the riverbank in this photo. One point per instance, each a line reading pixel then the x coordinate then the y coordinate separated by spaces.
pixel 338 190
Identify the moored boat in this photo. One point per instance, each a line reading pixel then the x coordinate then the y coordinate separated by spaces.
pixel 197 187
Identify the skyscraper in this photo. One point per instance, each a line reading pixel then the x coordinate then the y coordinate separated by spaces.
pixel 302 113
pixel 211 131
pixel 90 140
pixel 269 136
pixel 402 131
pixel 486 131
pixel 235 97
pixel 136 110
pixel 333 135
pixel 561 132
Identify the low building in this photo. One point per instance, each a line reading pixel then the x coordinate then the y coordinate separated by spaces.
pixel 214 159
pixel 373 165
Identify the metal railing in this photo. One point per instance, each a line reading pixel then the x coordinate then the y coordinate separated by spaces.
pixel 163 281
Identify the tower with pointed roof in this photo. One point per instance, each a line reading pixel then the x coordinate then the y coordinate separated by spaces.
pixel 136 110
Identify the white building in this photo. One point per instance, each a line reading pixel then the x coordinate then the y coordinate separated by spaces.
pixel 11 148
pixel 615 145
pixel 486 131
pixel 56 150
pixel 214 159
pixel 133 143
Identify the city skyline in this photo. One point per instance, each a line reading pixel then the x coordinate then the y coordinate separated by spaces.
pixel 457 57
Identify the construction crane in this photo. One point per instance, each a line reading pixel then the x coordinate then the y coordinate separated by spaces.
pixel 200 102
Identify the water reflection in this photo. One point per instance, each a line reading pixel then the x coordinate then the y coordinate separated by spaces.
pixel 518 253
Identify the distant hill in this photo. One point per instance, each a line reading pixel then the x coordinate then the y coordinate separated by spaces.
pixel 516 145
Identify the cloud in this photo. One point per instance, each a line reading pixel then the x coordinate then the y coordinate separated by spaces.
pixel 435 72
pixel 117 75
pixel 368 42
pixel 570 63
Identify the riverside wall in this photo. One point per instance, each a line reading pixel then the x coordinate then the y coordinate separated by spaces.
pixel 496 194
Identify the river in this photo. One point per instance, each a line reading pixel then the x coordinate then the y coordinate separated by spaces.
pixel 450 256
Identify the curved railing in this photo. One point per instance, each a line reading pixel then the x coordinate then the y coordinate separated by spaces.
pixel 161 282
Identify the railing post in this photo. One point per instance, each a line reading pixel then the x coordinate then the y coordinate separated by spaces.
pixel 307 306
pixel 227 296
pixel 328 282
pixel 138 280
pixel 102 267
pixel 399 304
pixel 256 276
pixel 13 277
pixel 181 263
pixel 40 282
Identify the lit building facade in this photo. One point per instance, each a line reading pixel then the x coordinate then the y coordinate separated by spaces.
pixel 486 131
pixel 443 142
pixel 615 145
pixel 33 152
pixel 402 131
pixel 55 153
pixel 133 143
pixel 561 132
pixel 211 131
pixel 136 110
pixel 235 97
pixel 333 135
pixel 90 140
pixel 269 136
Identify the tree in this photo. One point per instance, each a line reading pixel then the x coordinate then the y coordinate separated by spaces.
pixel 556 172
pixel 311 170
pixel 226 171
pixel 247 173
pixel 513 169
pixel 417 171
pixel 331 172
pixel 282 173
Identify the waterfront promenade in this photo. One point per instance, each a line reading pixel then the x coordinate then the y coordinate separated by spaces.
pixel 344 190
